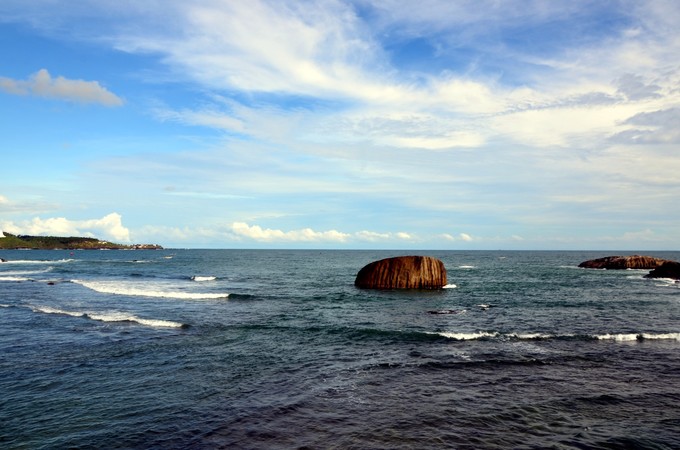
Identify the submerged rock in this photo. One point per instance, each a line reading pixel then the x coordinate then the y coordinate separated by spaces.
pixel 669 269
pixel 624 262
pixel 403 272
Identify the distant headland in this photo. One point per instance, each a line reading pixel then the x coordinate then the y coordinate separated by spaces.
pixel 21 242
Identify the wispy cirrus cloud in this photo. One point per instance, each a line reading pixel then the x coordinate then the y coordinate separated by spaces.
pixel 41 84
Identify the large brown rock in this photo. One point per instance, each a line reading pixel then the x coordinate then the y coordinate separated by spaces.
pixel 403 272
pixel 669 269
pixel 623 262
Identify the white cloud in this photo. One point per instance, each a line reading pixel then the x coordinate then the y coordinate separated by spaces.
pixel 461 237
pixel 371 236
pixel 258 233
pixel 108 227
pixel 41 84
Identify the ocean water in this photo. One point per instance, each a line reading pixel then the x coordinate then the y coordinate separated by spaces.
pixel 260 349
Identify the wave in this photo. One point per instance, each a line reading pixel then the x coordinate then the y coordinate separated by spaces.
pixel 38 261
pixel 14 278
pixel 467 267
pixel 25 272
pixel 111 316
pixel 620 337
pixel 466 336
pixel 143 290
pixel 199 278
pixel 450 286
pixel 666 282
pixel 624 337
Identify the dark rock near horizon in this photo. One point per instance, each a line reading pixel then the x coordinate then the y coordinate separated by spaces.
pixel 403 272
pixel 669 269
pixel 623 262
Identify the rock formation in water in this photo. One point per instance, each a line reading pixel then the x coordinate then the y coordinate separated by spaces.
pixel 623 262
pixel 669 269
pixel 403 272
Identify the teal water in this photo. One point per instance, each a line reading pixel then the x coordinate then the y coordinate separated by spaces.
pixel 278 349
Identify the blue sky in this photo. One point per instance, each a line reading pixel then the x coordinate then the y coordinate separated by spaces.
pixel 343 124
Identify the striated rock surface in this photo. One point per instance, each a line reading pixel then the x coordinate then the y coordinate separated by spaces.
pixel 403 272
pixel 669 269
pixel 623 262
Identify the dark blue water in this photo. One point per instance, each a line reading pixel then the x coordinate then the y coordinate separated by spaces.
pixel 277 349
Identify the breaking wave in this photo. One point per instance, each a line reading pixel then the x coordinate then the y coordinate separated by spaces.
pixel 146 290
pixel 620 337
pixel 110 316
pixel 199 278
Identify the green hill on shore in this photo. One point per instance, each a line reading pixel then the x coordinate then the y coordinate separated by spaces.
pixel 12 241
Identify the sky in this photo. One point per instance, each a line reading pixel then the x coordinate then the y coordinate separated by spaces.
pixel 349 124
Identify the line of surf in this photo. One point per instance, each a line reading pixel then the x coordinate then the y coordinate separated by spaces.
pixel 24 272
pixel 203 278
pixel 110 316
pixel 138 290
pixel 38 261
pixel 14 278
pixel 618 337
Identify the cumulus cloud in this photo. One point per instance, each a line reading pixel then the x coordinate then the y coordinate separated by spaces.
pixel 41 84
pixel 108 227
pixel 258 233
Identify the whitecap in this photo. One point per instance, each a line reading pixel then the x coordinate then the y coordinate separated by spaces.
pixel 39 261
pixel 666 282
pixel 14 279
pixel 532 336
pixel 669 336
pixel 25 272
pixel 449 286
pixel 144 290
pixel 123 317
pixel 623 337
pixel 111 316
pixel 199 278
pixel 626 337
pixel 467 267
pixel 466 336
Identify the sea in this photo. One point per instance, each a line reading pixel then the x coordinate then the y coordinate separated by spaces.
pixel 277 349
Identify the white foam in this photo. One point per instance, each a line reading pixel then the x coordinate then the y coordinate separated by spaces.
pixel 467 267
pixel 625 337
pixel 450 286
pixel 620 337
pixel 111 316
pixel 531 336
pixel 639 336
pixel 14 279
pixel 467 336
pixel 50 310
pixel 199 278
pixel 39 261
pixel 143 290
pixel 665 282
pixel 25 272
